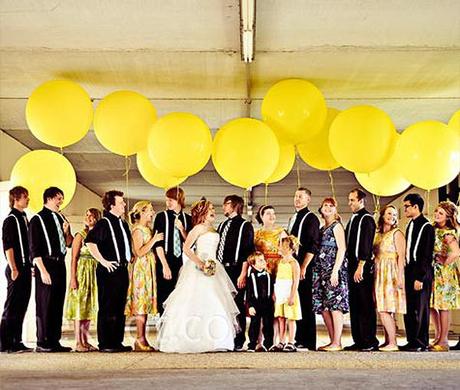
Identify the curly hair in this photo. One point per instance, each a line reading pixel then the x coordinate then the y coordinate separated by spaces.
pixel 135 213
pixel 451 213
pixel 199 211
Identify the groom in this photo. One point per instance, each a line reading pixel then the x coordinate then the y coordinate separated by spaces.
pixel 235 245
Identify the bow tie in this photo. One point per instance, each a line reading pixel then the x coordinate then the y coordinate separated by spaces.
pixel 259 274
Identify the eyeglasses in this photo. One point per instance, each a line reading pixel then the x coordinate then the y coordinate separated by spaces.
pixel 406 206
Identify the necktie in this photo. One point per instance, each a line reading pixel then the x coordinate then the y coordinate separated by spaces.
pixel 223 236
pixel 60 234
pixel 125 239
pixel 291 223
pixel 176 241
pixel 409 241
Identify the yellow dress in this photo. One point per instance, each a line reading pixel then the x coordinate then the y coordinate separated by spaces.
pixel 142 291
pixel 283 284
pixel 389 298
pixel 267 242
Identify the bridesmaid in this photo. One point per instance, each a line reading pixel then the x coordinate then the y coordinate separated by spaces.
pixel 390 296
pixel 142 291
pixel 330 275
pixel 446 291
pixel 82 296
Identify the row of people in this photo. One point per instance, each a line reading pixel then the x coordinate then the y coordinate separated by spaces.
pixel 324 285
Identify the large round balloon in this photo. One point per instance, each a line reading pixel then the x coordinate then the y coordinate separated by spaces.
pixel 388 179
pixel 59 113
pixel 454 122
pixel 361 138
pixel 180 144
pixel 122 122
pixel 40 169
pixel 285 164
pixel 316 151
pixel 245 152
pixel 153 175
pixel 430 154
pixel 295 109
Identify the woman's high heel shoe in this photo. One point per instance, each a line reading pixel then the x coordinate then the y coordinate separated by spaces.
pixel 139 347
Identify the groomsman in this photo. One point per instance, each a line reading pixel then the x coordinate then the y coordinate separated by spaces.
pixel 18 272
pixel 418 274
pixel 110 244
pixel 235 245
pixel 304 225
pixel 175 225
pixel 49 237
pixel 360 233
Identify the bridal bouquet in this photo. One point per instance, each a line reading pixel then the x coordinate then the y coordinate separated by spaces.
pixel 209 267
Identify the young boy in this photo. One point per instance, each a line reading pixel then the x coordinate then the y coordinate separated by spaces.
pixel 259 299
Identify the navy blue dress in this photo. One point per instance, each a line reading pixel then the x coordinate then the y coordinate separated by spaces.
pixel 326 297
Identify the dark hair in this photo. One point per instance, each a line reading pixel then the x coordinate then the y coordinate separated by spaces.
pixel 16 193
pixel 380 222
pixel 261 211
pixel 237 203
pixel 51 192
pixel 359 193
pixel 333 202
pixel 109 199
pixel 415 199
pixel 199 211
pixel 306 190
pixel 178 194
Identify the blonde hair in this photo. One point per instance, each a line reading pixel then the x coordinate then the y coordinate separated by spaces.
pixel 292 241
pixel 135 214
pixel 252 258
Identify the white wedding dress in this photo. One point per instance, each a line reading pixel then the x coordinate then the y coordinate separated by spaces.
pixel 200 314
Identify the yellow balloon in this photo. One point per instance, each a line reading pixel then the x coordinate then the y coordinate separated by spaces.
pixel 285 164
pixel 454 122
pixel 430 154
pixel 40 169
pixel 180 144
pixel 361 138
pixel 153 175
pixel 59 113
pixel 316 151
pixel 295 109
pixel 388 179
pixel 245 152
pixel 122 122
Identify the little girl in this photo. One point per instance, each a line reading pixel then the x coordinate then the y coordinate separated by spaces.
pixel 287 305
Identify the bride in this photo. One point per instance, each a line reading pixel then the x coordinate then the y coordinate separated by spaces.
pixel 200 314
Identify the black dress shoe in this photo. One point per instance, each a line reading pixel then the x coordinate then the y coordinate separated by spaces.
pixel 21 348
pixel 43 349
pixel 372 348
pixel 416 349
pixel 60 348
pixel 125 348
pixel 456 347
pixel 405 347
pixel 6 351
pixel 353 347
pixel 109 350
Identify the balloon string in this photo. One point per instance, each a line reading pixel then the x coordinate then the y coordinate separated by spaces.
pixel 245 198
pixel 297 169
pixel 266 193
pixel 62 150
pixel 331 179
pixel 428 201
pixel 376 205
pixel 126 175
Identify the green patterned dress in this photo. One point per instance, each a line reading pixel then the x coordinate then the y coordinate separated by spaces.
pixel 446 289
pixel 142 291
pixel 82 303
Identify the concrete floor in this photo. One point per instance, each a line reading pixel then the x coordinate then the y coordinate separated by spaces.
pixel 312 370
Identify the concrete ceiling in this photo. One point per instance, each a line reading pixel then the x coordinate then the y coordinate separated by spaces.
pixel 401 56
